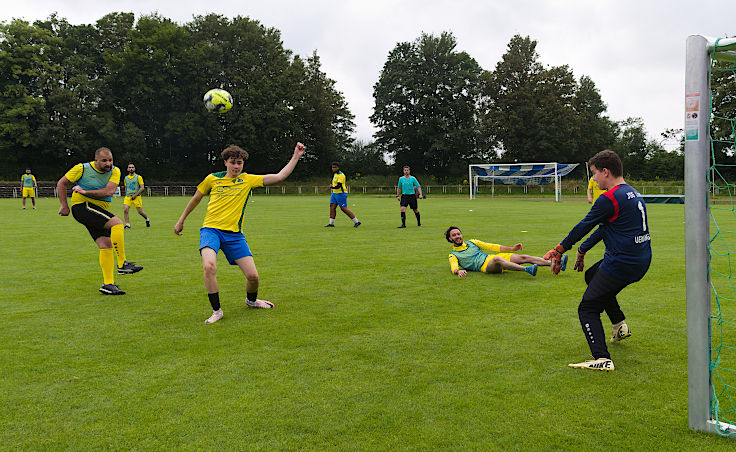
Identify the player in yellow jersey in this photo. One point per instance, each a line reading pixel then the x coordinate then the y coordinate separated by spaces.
pixel 133 188
pixel 28 187
pixel 223 223
pixel 94 183
pixel 594 191
pixel 339 197
pixel 470 256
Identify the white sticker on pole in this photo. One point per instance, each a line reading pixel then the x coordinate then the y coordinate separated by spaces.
pixel 692 116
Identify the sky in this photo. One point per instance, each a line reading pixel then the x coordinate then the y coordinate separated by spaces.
pixel 634 51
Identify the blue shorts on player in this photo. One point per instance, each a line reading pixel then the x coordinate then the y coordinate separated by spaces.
pixel 341 199
pixel 233 244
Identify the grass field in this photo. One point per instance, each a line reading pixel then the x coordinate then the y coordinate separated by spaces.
pixel 374 345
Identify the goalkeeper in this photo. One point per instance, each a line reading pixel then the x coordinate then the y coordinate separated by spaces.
pixel 470 256
pixel 621 216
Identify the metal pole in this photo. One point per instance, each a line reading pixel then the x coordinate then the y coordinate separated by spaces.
pixel 697 220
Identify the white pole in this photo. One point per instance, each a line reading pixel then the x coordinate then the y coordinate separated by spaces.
pixel 697 100
pixel 470 181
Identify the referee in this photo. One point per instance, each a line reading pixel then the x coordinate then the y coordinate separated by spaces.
pixel 406 193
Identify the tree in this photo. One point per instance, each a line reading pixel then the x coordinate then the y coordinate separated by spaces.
pixel 425 105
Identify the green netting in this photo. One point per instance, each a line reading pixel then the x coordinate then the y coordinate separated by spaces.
pixel 722 244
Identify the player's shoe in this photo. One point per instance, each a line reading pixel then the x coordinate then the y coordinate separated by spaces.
pixel 148 222
pixel 401 227
pixel 595 364
pixel 111 289
pixel 127 226
pixel 329 225
pixel 532 269
pixel 563 263
pixel 216 315
pixel 128 268
pixel 357 224
pixel 419 225
pixel 263 304
pixel 620 333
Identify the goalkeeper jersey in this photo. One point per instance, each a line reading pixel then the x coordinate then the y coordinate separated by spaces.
pixel 470 255
pixel 228 199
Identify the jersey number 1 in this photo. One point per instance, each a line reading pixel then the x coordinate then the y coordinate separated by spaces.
pixel 643 216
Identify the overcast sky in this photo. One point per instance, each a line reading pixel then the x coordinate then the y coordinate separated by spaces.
pixel 633 50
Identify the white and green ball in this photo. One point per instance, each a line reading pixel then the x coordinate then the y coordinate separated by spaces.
pixel 218 100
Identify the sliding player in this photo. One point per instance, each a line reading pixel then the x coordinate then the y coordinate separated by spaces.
pixel 470 256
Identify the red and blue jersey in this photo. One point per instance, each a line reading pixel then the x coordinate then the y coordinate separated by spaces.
pixel 621 217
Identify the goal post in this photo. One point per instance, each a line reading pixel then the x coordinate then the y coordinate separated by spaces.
pixel 524 174
pixel 704 413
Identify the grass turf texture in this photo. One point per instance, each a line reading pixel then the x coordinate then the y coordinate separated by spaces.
pixel 373 345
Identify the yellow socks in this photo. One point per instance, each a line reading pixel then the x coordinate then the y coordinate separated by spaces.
pixel 107 263
pixel 118 243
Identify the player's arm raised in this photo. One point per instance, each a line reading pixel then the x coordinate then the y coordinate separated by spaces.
pixel 193 203
pixel 269 179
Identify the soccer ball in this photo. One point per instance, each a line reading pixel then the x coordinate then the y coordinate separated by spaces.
pixel 218 100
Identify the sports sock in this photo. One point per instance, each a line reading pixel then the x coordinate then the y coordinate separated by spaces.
pixel 416 214
pixel 355 220
pixel 403 218
pixel 214 300
pixel 332 221
pixel 252 296
pixel 107 263
pixel 118 243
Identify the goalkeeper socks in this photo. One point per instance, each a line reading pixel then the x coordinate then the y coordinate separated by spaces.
pixel 419 222
pixel 118 243
pixel 403 218
pixel 251 296
pixel 107 263
pixel 214 300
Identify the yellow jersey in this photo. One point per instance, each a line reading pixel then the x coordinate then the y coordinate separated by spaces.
pixel 597 191
pixel 87 176
pixel 228 199
pixel 339 178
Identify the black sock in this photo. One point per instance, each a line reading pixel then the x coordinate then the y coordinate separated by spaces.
pixel 403 218
pixel 214 300
pixel 252 296
pixel 416 214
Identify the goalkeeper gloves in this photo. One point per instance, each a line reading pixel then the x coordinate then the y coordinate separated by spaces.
pixel 579 261
pixel 555 256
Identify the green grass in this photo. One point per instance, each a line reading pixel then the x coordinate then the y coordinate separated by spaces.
pixel 374 345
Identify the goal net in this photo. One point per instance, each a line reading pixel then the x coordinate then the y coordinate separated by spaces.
pixel 524 174
pixel 710 233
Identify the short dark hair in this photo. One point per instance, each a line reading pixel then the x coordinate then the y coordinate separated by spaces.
pixel 447 232
pixel 337 164
pixel 607 159
pixel 98 151
pixel 234 152
pixel 407 166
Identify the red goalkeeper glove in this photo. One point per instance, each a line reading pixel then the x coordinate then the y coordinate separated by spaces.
pixel 555 257
pixel 579 261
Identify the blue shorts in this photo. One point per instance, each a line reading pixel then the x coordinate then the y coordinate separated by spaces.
pixel 341 199
pixel 233 244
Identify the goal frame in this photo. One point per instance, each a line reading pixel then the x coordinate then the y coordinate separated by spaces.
pixel 699 50
pixel 552 171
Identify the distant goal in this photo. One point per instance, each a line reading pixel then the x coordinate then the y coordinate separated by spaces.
pixel 524 174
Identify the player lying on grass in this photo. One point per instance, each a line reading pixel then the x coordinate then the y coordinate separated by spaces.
pixel 621 217
pixel 470 256
pixel 223 223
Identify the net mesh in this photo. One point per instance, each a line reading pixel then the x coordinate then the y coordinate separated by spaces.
pixel 722 243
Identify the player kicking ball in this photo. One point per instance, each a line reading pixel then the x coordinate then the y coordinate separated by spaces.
pixel 223 223
pixel 470 256
pixel 621 217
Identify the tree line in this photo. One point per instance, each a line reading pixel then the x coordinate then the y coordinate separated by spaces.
pixel 136 87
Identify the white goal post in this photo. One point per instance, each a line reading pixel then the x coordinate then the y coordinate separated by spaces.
pixel 518 174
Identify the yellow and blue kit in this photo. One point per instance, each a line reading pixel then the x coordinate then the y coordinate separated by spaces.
pixel 470 255
pixel 133 182
pixel 597 191
pixel 228 199
pixel 87 176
